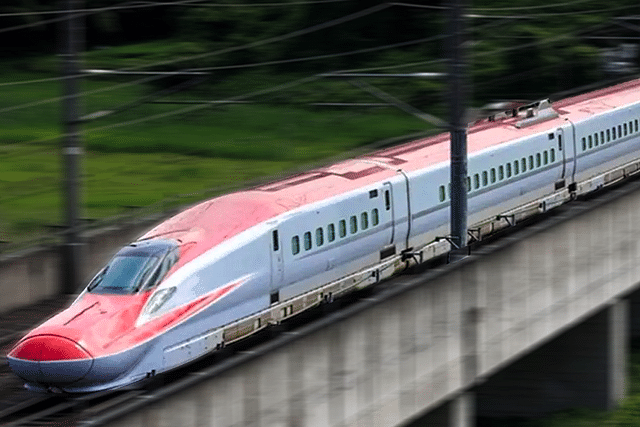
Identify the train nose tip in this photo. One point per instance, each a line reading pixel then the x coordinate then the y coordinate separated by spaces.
pixel 50 359
pixel 48 348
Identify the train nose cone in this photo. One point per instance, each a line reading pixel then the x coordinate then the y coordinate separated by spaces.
pixel 50 359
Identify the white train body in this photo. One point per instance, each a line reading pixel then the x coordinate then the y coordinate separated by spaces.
pixel 259 256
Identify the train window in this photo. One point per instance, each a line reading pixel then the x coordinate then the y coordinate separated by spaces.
pixel 584 144
pixel 442 193
pixel 500 172
pixel 553 155
pixel 625 129
pixel 545 157
pixel 538 162
pixel 353 224
pixel 516 167
pixel 508 170
pixel 331 232
pixel 319 236
pixel 602 137
pixel 608 135
pixel 630 126
pixel 485 178
pixel 342 228
pixel 387 200
pixel 295 245
pixel 276 243
pixel 590 142
pixel 493 175
pixel 364 220
pixel 468 184
pixel 523 163
pixel 530 162
pixel 375 217
pixel 373 193
pixel 619 131
pixel 307 240
pixel 476 181
pixel 595 139
pixel 636 123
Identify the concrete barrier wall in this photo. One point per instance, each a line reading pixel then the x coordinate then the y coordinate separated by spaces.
pixel 447 334
pixel 35 274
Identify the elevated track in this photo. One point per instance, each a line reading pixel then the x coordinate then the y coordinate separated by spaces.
pixel 435 343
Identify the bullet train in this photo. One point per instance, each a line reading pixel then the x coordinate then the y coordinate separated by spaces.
pixel 230 266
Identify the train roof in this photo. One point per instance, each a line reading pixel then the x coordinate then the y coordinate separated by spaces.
pixel 213 221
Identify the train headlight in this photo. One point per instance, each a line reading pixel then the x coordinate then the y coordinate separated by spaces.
pixel 158 299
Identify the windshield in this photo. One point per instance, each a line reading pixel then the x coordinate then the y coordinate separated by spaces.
pixel 124 274
pixel 138 266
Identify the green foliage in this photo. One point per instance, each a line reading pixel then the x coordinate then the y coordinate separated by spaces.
pixel 147 162
pixel 248 49
pixel 626 415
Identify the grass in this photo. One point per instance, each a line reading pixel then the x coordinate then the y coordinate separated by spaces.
pixel 193 155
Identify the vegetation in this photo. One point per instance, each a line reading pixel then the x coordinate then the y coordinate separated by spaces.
pixel 140 151
pixel 627 415
pixel 181 157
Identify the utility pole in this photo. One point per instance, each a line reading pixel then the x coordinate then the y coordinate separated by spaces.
pixel 73 36
pixel 458 148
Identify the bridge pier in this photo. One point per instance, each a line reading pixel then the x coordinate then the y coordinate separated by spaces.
pixel 582 367
pixel 634 325
pixel 457 412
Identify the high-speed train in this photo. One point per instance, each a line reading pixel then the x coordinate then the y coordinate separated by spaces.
pixel 232 265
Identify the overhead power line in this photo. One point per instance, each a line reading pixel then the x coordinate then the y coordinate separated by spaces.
pixel 150 4
pixel 538 6
pixel 552 14
pixel 358 70
pixel 156 76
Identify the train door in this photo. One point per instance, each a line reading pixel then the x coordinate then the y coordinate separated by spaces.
pixel 562 154
pixel 396 204
pixel 277 265
pixel 566 148
pixel 388 207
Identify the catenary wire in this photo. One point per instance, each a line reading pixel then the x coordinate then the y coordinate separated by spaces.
pixel 149 4
pixel 152 78
pixel 288 85
pixel 271 39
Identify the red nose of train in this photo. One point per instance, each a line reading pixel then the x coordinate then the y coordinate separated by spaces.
pixel 49 348
pixel 50 358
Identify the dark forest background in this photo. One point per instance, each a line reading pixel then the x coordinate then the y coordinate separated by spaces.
pixel 519 49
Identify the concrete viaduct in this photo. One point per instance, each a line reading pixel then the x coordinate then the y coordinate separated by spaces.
pixel 538 321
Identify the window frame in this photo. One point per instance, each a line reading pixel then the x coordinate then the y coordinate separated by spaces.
pixel 342 228
pixel 331 232
pixel 364 220
pixel 319 236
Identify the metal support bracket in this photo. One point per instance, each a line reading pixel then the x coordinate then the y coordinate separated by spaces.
pixel 409 254
pixel 511 219
pixel 474 234
pixel 448 239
